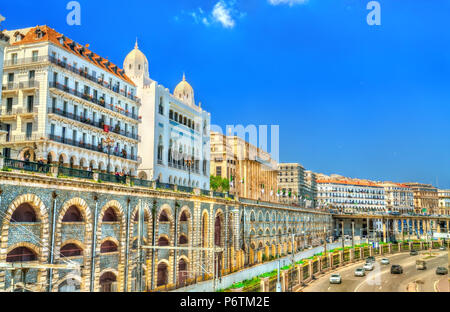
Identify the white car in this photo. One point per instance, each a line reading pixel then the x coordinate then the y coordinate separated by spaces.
pixel 385 261
pixel 360 272
pixel 335 278
pixel 368 266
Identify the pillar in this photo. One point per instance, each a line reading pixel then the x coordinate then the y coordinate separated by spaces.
pixel 384 230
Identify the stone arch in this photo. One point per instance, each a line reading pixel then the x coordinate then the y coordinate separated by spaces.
pixel 105 285
pixel 27 151
pixel 51 157
pixel 63 159
pixel 75 280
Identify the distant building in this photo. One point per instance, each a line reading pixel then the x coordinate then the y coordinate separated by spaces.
pixel 310 188
pixel 351 196
pixel 175 129
pixel 291 183
pixel 444 202
pixel 4 42
pixel 254 173
pixel 399 197
pixel 426 198
pixel 223 161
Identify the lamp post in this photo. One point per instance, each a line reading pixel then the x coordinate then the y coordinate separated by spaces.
pixel 188 163
pixel 109 142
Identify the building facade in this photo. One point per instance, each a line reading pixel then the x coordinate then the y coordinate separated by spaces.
pixel 444 202
pixel 291 183
pixel 351 196
pixel 255 172
pixel 310 189
pixel 223 161
pixel 49 220
pixel 175 148
pixel 399 197
pixel 426 199
pixel 66 105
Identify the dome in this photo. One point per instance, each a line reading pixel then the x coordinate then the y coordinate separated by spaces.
pixel 184 92
pixel 136 63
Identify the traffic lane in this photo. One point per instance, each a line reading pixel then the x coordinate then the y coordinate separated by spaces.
pixel 427 278
pixel 384 281
pixel 349 280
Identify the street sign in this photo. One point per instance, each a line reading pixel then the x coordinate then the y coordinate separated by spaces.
pixel 441 235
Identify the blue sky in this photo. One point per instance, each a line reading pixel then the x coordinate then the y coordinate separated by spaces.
pixel 358 100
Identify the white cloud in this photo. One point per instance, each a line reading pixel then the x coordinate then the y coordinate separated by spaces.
pixel 289 2
pixel 222 14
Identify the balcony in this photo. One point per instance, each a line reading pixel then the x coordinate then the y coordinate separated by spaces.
pixel 75 173
pixel 24 61
pixel 21 138
pixel 99 81
pixel 98 148
pixel 98 124
pixel 27 112
pixel 10 87
pixel 26 165
pixel 106 177
pixel 8 114
pixel 91 99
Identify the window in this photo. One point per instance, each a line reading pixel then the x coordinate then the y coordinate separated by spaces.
pixel 34 57
pixel 30 100
pixel 14 58
pixel 29 130
pixel 52 129
pixel 171 114
pixel 219 171
pixel 31 74
pixel 11 77
pixel 9 103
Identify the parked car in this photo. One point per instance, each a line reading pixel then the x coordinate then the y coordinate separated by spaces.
pixel 370 259
pixel 335 278
pixel 396 269
pixel 368 266
pixel 385 261
pixel 441 271
pixel 442 248
pixel 360 272
pixel 413 253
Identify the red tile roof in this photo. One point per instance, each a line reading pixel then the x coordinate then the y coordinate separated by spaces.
pixel 51 35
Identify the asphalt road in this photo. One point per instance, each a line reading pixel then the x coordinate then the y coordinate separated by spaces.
pixel 381 279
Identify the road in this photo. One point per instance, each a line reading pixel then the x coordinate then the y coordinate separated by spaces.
pixel 381 279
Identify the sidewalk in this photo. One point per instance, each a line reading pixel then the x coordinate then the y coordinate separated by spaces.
pixel 443 285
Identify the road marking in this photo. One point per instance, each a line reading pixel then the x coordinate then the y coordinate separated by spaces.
pixel 435 286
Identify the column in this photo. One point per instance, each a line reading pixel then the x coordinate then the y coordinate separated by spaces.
pixel 384 230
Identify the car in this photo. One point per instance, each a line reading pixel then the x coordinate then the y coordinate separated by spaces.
pixel 413 253
pixel 360 272
pixel 441 271
pixel 370 259
pixel 385 261
pixel 396 269
pixel 368 266
pixel 335 278
pixel 442 248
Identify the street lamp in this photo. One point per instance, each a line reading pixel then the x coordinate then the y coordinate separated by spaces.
pixel 188 163
pixel 109 143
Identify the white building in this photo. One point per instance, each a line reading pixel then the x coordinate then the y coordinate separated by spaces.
pixel 64 103
pixel 175 142
pixel 351 196
pixel 399 197
pixel 4 40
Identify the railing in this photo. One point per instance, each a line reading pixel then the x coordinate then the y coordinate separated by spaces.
pixel 107 177
pixel 25 60
pixel 205 192
pixel 99 81
pixel 90 98
pixel 26 165
pixel 140 182
pixel 218 194
pixel 91 147
pixel 77 173
pixel 10 86
pixel 88 121
pixel 20 138
pixel 166 186
pixel 186 189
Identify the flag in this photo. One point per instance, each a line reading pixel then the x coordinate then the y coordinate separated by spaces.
pixel 106 128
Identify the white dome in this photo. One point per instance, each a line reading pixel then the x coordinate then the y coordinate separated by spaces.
pixel 136 63
pixel 184 92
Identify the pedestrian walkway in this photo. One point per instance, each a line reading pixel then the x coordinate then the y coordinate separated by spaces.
pixel 443 285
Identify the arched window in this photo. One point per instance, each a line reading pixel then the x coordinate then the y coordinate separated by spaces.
pixel 21 254
pixel 108 246
pixel 171 114
pixel 163 241
pixel 183 240
pixel 24 213
pixel 110 215
pixel 106 281
pixel 72 214
pixel 162 274
pixel 218 231
pixel 70 250
pixel 161 107
pixel 163 216
pixel 183 216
